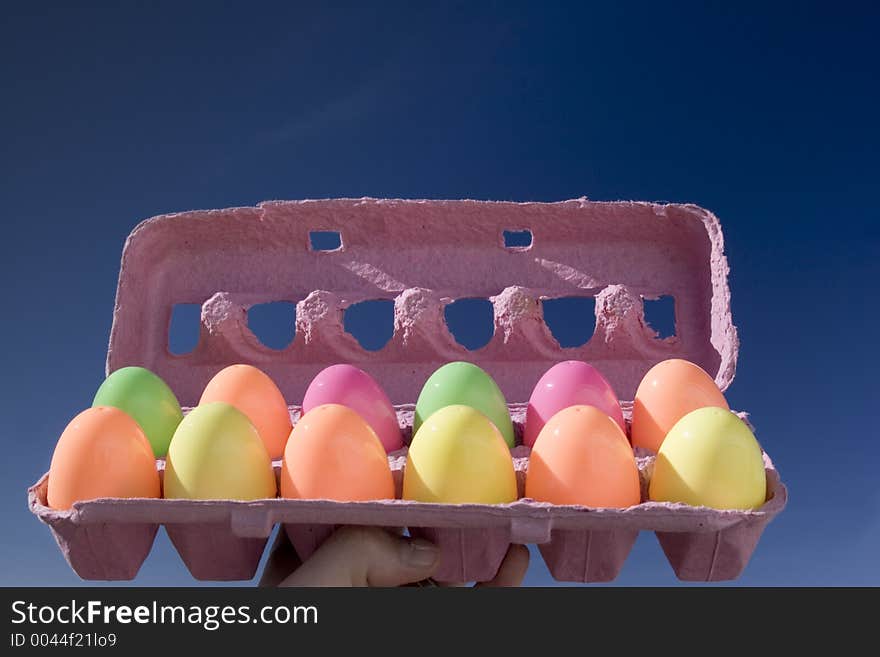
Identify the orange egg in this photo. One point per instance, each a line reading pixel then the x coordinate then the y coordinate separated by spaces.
pixel 102 453
pixel 581 456
pixel 669 391
pixel 252 392
pixel 333 454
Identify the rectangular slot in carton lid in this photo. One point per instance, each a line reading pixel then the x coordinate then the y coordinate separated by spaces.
pixel 421 256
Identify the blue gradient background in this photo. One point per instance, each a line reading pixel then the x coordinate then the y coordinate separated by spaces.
pixel 767 116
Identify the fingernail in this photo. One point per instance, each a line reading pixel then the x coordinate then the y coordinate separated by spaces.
pixel 420 553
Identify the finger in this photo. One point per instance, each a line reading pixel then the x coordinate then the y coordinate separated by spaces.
pixel 366 556
pixel 282 560
pixel 513 568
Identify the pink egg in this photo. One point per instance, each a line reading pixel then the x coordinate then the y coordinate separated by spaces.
pixel 570 383
pixel 352 387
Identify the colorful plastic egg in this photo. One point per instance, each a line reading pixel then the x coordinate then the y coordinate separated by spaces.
pixel 466 384
pixel 352 387
pixel 583 457
pixel 570 383
pixel 710 458
pixel 334 454
pixel 102 453
pixel 669 391
pixel 458 456
pixel 146 398
pixel 255 394
pixel 217 453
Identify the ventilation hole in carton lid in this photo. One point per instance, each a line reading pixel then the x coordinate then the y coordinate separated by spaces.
pixel 571 320
pixel 273 323
pixel 517 239
pixel 370 322
pixel 471 322
pixel 660 315
pixel 325 240
pixel 184 328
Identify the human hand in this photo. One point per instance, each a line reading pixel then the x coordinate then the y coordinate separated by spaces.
pixel 369 556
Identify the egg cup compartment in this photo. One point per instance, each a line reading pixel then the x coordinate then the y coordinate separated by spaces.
pixel 96 545
pixel 212 551
pixel 711 556
pixel 467 554
pixel 421 256
pixel 307 537
pixel 587 556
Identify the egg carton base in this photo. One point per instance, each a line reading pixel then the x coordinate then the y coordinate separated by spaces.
pixel 224 540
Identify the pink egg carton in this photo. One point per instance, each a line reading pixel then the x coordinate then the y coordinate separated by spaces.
pixel 422 255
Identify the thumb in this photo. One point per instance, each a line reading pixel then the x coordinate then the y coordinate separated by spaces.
pixel 366 556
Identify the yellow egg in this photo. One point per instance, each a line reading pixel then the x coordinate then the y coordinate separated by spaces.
pixel 458 456
pixel 216 453
pixel 710 458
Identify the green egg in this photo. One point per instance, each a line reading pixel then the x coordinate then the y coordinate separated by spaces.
pixel 462 383
pixel 146 398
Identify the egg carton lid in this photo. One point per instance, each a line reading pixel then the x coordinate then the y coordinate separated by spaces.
pixel 424 255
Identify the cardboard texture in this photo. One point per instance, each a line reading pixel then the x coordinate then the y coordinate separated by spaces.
pixel 422 255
